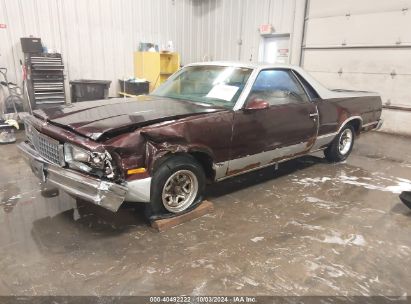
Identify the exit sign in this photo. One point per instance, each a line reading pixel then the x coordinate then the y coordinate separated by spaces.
pixel 3 26
pixel 266 29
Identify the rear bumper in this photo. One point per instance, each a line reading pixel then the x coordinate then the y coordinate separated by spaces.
pixel 375 125
pixel 379 125
pixel 103 193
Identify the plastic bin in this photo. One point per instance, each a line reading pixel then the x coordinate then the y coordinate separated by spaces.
pixel 134 88
pixel 7 134
pixel 87 89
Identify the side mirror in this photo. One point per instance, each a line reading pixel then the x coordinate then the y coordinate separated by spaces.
pixel 257 104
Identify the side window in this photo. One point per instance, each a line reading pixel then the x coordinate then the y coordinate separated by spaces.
pixel 277 87
pixel 308 88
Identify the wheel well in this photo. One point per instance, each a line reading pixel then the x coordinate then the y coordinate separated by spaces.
pixel 356 124
pixel 206 162
pixel 202 158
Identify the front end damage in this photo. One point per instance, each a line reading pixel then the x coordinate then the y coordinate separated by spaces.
pixel 83 169
pixel 118 166
pixel 107 194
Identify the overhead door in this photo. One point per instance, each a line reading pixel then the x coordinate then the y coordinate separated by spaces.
pixel 363 45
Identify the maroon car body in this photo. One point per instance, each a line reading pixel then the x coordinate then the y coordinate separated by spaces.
pixel 129 139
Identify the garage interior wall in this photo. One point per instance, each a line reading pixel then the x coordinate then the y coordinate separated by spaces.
pixel 363 45
pixel 97 37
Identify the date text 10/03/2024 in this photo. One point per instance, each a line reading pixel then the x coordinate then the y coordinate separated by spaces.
pixel 203 299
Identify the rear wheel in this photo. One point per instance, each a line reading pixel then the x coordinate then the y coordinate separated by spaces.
pixel 177 186
pixel 341 147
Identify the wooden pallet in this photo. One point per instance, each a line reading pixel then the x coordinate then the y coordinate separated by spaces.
pixel 405 197
pixel 164 224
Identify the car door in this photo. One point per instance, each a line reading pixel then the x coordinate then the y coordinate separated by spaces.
pixel 287 127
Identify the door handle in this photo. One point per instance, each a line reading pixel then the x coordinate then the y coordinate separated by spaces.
pixel 313 115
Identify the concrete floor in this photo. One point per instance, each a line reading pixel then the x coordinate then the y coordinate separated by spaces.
pixel 310 228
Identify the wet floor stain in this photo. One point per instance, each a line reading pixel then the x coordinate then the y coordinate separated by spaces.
pixel 310 228
pixel 360 178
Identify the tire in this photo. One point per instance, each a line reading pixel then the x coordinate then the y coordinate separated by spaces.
pixel 337 151
pixel 179 173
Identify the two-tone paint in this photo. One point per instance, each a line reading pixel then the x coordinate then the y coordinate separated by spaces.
pixel 227 142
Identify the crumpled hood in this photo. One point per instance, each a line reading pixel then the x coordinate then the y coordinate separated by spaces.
pixel 93 119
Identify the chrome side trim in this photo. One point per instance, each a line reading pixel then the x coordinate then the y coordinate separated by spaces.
pixel 377 124
pixel 139 190
pixel 220 169
pixel 349 119
pixel 318 150
pixel 327 135
pixel 370 124
pixel 266 157
pixel 323 140
pixel 261 167
pixel 260 160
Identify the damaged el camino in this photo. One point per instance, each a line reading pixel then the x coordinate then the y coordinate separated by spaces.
pixel 208 122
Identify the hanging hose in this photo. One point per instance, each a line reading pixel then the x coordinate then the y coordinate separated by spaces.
pixel 25 89
pixel 13 103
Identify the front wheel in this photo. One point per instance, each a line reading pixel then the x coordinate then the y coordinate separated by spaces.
pixel 178 185
pixel 341 146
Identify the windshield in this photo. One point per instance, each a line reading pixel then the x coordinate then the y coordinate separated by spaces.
pixel 213 85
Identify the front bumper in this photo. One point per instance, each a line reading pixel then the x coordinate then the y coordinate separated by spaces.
pixel 103 193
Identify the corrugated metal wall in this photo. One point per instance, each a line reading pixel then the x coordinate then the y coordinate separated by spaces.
pixel 97 37
pixel 229 28
pixel 363 45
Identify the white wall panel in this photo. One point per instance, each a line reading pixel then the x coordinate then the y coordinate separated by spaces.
pixel 396 122
pixel 327 8
pixel 367 61
pixel 360 30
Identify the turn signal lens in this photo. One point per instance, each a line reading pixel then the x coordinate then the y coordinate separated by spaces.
pixel 136 171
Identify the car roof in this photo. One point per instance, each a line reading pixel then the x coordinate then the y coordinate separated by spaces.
pixel 240 64
pixel 322 91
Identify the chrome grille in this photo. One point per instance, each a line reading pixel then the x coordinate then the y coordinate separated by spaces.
pixel 48 148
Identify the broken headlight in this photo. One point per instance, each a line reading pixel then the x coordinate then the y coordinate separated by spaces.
pixel 98 163
pixel 73 153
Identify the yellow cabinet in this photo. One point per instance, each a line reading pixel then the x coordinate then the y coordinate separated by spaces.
pixel 155 67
